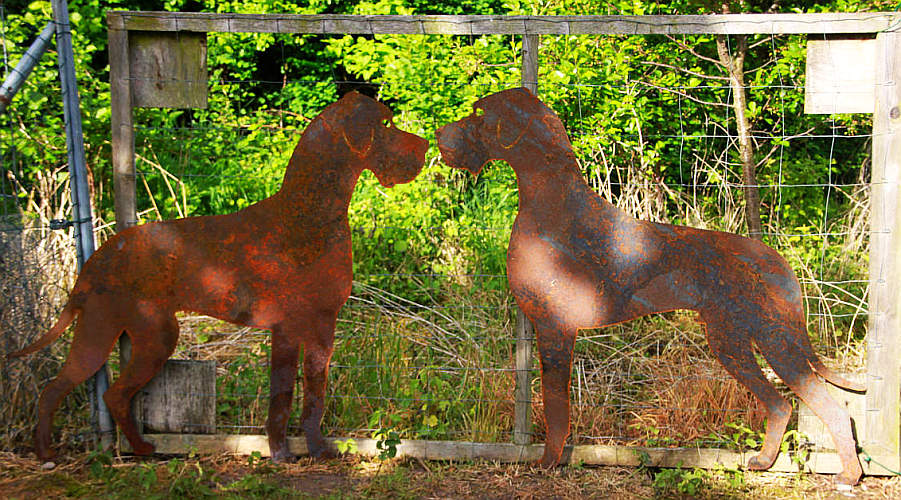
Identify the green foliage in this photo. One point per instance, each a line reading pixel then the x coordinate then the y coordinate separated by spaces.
pixel 683 481
pixel 348 446
pixel 796 445
pixel 386 442
pixel 743 437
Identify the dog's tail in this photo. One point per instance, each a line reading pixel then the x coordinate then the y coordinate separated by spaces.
pixel 65 319
pixel 834 378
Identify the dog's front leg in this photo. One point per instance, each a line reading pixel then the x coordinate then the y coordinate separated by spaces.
pixel 317 354
pixel 555 346
pixel 285 354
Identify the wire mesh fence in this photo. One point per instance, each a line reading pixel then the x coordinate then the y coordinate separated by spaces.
pixel 425 345
pixel 37 268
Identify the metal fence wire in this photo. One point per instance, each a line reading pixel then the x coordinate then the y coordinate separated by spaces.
pixel 425 345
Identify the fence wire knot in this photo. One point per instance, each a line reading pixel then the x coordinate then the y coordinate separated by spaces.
pixel 57 224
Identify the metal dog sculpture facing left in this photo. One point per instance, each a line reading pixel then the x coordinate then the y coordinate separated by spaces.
pixel 283 264
pixel 575 261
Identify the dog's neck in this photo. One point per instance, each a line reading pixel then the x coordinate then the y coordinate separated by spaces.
pixel 547 176
pixel 318 186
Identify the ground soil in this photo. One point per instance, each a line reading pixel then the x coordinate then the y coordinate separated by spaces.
pixel 22 477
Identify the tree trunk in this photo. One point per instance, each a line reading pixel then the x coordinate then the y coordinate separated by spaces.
pixel 735 67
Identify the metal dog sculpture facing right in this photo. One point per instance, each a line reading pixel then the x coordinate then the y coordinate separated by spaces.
pixel 283 264
pixel 575 261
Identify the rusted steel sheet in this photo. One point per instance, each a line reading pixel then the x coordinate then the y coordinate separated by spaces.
pixel 283 264
pixel 576 261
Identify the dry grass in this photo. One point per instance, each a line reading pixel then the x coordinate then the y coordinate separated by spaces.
pixel 353 477
pixel 37 269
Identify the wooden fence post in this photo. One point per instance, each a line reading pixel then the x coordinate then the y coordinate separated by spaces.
pixel 881 426
pixel 123 148
pixel 123 140
pixel 522 418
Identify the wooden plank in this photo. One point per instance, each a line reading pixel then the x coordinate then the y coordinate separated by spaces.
pixel 123 146
pixel 883 341
pixel 630 456
pixel 522 409
pixel 168 69
pixel 522 393
pixel 530 62
pixel 840 75
pixel 181 398
pixel 122 130
pixel 859 22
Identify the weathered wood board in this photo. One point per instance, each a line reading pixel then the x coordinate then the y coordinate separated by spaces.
pixel 168 69
pixel 883 398
pixel 841 75
pixel 181 399
pixel 630 456
pixel 855 22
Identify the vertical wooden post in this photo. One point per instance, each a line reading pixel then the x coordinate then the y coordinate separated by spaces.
pixel 522 410
pixel 530 62
pixel 522 418
pixel 881 427
pixel 123 140
pixel 123 146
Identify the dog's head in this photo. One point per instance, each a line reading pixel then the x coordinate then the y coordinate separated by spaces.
pixel 498 129
pixel 364 127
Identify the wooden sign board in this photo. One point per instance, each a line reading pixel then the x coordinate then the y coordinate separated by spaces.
pixel 841 75
pixel 168 70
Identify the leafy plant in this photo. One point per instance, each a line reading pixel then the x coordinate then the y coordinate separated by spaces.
pixel 386 442
pixel 348 446
pixel 684 481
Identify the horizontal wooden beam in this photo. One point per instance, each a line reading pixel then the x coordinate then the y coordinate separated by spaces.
pixel 824 23
pixel 632 456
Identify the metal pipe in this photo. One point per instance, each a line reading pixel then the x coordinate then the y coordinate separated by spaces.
pixel 29 60
pixel 78 184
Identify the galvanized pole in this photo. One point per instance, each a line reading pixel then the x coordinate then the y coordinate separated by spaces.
pixel 78 184
pixel 29 60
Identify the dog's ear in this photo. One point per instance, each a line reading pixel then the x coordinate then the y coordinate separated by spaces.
pixel 511 131
pixel 353 121
pixel 359 135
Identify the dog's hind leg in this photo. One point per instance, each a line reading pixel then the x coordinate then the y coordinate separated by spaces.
pixel 91 345
pixel 776 346
pixel 152 344
pixel 555 347
pixel 736 355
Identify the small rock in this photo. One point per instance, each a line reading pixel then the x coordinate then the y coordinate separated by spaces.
pixel 48 466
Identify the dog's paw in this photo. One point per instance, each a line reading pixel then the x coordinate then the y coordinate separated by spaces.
pixel 847 478
pixel 46 455
pixel 326 454
pixel 548 462
pixel 760 462
pixel 284 457
pixel 142 448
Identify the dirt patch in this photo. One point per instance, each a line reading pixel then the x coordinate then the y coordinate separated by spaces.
pixel 225 476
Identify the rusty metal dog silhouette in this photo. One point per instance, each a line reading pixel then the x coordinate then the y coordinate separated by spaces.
pixel 575 261
pixel 283 264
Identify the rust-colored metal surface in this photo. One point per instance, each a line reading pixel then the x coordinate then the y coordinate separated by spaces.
pixel 283 264
pixel 576 261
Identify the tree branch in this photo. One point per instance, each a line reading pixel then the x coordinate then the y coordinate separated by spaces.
pixel 692 51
